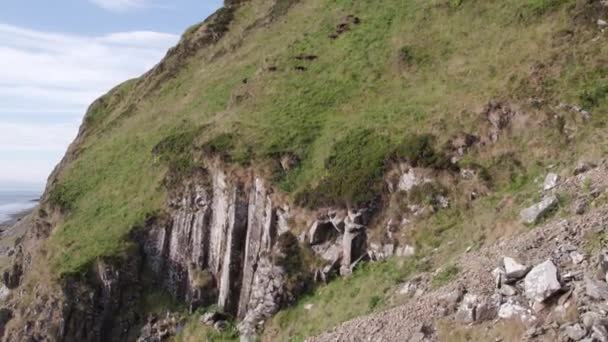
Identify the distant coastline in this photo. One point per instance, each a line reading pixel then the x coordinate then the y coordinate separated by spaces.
pixel 14 205
pixel 16 217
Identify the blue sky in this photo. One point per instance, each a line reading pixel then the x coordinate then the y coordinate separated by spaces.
pixel 57 56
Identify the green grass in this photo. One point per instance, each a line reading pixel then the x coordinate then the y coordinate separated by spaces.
pixel 365 291
pixel 353 110
pixel 195 331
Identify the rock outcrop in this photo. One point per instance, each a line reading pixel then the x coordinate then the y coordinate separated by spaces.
pixel 215 247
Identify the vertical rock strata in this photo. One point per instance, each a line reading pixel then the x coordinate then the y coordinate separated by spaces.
pixel 219 237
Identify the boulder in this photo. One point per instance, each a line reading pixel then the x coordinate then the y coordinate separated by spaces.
pixel 513 269
pixel 534 213
pixel 467 308
pixel 541 282
pixel 550 181
pixel 487 308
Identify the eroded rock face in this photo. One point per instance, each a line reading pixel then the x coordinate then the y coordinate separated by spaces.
pixel 218 245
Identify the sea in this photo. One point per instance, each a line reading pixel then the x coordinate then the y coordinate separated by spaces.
pixel 13 202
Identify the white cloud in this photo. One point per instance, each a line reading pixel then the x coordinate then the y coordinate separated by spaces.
pixel 118 5
pixel 126 5
pixel 46 73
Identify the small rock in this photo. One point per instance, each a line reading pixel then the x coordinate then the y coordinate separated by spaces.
pixel 308 306
pixel 532 214
pixel 513 269
pixel 408 289
pixel 499 275
pixel 541 282
pixel 507 290
pixel 576 257
pixel 550 181
pixel 603 262
pixel 580 206
pixel 602 23
pixel 575 332
pixel 4 292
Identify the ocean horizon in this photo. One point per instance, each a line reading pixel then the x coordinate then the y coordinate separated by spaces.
pixel 13 202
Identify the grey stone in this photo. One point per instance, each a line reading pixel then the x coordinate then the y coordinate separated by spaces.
pixel 603 262
pixel 596 289
pixel 589 318
pixel 513 269
pixel 499 275
pixel 466 310
pixel 513 310
pixel 541 282
pixel 599 333
pixel 576 257
pixel 406 251
pixel 507 290
pixel 534 213
pixel 575 332
pixel 550 181
pixel 487 308
pixel 451 299
pixel 408 180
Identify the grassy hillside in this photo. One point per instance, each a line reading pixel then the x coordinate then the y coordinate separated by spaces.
pixel 341 103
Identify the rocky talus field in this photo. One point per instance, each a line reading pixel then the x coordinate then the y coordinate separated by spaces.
pixel 344 170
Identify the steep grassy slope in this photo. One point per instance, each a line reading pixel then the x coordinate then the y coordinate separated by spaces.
pixel 399 69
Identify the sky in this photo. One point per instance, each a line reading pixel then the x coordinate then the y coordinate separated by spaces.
pixel 57 57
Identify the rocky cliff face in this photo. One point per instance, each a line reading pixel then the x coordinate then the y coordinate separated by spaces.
pixel 216 245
